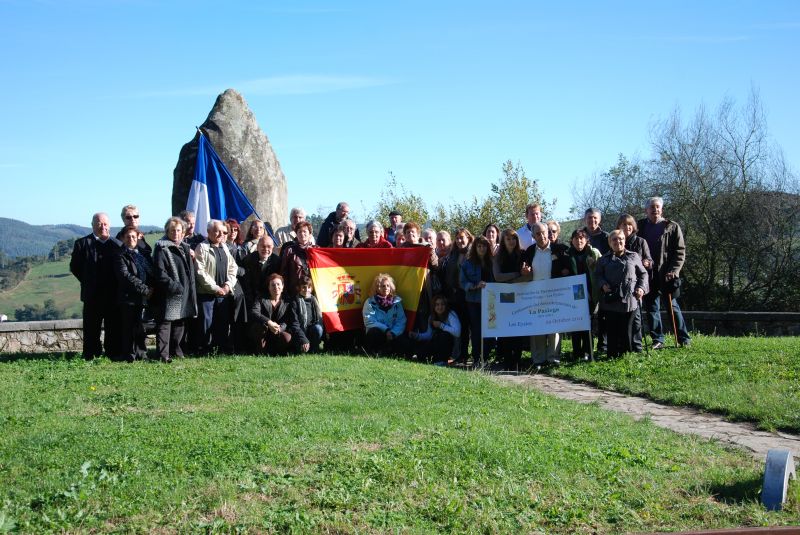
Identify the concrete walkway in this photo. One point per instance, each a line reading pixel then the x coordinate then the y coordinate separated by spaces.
pixel 680 419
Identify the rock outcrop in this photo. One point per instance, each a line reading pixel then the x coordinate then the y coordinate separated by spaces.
pixel 245 150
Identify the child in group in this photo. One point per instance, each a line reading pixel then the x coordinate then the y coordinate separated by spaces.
pixel 440 342
pixel 309 317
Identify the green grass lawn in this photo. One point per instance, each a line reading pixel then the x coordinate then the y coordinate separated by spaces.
pixel 343 444
pixel 754 379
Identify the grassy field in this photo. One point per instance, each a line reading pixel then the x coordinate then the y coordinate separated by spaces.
pixel 51 280
pixel 343 445
pixel 754 379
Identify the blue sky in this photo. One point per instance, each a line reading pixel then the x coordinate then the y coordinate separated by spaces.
pixel 99 95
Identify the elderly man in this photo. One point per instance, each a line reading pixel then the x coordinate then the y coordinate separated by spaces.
pixel 189 236
pixel 668 249
pixel 598 238
pixel 546 260
pixel 130 218
pixel 331 222
pixel 92 264
pixel 259 265
pixel 286 234
pixel 395 219
pixel 533 215
pixel 216 281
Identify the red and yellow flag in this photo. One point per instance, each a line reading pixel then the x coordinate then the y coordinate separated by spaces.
pixel 343 279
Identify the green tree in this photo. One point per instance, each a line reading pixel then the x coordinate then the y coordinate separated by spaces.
pixel 504 206
pixel 39 313
pixel 395 196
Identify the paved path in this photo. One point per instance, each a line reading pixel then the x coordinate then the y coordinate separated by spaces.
pixel 680 419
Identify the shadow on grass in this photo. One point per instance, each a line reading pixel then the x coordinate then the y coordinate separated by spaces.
pixel 737 493
pixel 14 357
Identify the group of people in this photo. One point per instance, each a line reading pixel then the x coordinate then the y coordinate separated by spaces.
pixel 233 291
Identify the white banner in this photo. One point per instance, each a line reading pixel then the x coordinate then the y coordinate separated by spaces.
pixel 541 307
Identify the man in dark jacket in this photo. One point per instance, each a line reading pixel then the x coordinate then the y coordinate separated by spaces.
pixel 598 238
pixel 665 239
pixel 331 222
pixel 92 264
pixel 258 266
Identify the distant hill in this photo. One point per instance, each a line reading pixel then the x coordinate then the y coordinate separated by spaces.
pixel 18 238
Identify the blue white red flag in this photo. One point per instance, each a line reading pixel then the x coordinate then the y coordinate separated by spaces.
pixel 214 193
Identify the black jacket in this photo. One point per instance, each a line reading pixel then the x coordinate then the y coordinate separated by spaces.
pixel 92 264
pixel 130 288
pixel 254 281
pixel 562 263
pixel 262 310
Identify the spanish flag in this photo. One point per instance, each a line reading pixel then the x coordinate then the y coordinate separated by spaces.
pixel 343 280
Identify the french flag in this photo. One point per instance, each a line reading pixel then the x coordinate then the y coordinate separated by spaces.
pixel 214 193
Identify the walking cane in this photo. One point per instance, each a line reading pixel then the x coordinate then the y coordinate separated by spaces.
pixel 672 315
pixel 644 335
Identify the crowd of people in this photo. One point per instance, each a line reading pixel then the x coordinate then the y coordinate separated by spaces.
pixel 235 291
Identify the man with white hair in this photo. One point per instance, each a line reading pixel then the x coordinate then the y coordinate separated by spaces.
pixel 545 260
pixel 668 249
pixel 216 281
pixel 286 233
pixel 92 264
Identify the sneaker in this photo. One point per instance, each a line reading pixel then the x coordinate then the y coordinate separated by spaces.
pixel 685 343
pixel 658 345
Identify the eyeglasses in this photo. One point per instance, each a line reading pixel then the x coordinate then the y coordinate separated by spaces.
pixel 133 216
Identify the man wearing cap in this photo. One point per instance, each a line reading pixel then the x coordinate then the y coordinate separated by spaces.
pixel 390 232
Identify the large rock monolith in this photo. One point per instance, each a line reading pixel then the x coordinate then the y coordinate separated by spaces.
pixel 245 150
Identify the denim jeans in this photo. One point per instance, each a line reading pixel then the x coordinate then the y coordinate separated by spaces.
pixel 652 306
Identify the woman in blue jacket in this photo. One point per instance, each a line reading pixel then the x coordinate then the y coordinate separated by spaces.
pixel 384 318
pixel 476 271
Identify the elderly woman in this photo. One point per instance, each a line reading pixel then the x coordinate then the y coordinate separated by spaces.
pixel 135 281
pixel 622 279
pixel 492 233
pixel 294 257
pixel 175 299
pixel 375 239
pixel 429 236
pixel 443 244
pixel 585 258
pixel 508 267
pixel 384 318
pixel 627 224
pixel 272 320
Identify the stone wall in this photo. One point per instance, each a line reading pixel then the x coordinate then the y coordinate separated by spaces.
pixel 67 335
pixel 734 323
pixel 41 336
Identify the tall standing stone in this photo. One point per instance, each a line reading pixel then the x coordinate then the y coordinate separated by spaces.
pixel 247 153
